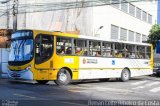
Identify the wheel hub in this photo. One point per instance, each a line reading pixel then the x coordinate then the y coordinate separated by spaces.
pixel 125 75
pixel 62 77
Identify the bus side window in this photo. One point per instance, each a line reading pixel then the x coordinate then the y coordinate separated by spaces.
pixel 98 53
pixel 80 47
pixel 119 50
pixel 148 52
pixel 60 49
pixel 141 52
pixel 78 51
pixel 131 53
pixel 64 46
pixel 94 46
pixel 107 49
pixel 69 50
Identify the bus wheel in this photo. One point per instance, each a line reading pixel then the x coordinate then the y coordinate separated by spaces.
pixel 125 75
pixel 104 79
pixel 63 77
pixel 42 81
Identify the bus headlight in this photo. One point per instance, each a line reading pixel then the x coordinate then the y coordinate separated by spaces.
pixel 29 67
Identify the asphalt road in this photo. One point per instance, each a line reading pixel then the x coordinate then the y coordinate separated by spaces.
pixel 30 93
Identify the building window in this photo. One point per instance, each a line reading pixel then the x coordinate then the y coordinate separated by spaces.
pixel 115 3
pixel 124 6
pixel 144 16
pixel 149 18
pixel 123 34
pixel 114 32
pixel 132 9
pixel 138 13
pixel 131 36
pixel 138 37
pixel 144 38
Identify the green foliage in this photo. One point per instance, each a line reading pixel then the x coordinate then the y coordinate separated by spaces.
pixel 154 35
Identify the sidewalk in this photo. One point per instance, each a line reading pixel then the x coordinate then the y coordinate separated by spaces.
pixel 3 75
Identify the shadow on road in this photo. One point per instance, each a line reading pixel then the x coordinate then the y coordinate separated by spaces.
pixel 99 81
pixel 91 81
pixel 30 82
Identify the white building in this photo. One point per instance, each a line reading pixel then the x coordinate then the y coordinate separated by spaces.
pixel 124 21
pixel 127 21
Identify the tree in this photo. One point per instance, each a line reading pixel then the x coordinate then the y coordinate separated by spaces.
pixel 154 35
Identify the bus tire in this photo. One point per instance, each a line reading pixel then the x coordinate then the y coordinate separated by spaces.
pixel 125 75
pixel 42 81
pixel 158 74
pixel 63 77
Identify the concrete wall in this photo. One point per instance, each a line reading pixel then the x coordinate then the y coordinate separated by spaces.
pixel 4 55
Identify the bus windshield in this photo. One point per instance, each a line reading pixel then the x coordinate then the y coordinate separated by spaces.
pixel 21 46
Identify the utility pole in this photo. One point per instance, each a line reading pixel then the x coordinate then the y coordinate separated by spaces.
pixel 15 12
pixel 25 15
pixel 8 17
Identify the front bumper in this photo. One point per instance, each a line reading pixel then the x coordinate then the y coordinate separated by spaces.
pixel 23 74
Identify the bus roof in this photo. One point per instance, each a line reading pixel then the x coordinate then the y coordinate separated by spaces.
pixel 112 40
pixel 59 33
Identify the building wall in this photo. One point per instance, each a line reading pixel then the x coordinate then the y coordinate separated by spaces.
pixel 110 15
pixel 4 55
pixel 85 20
pixel 77 19
pixel 3 18
pixel 149 6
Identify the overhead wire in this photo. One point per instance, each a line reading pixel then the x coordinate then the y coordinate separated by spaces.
pixel 54 6
pixel 42 7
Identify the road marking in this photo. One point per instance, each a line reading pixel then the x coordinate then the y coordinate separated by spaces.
pixel 101 89
pixel 155 89
pixel 75 104
pixel 76 91
pixel 153 83
pixel 83 87
pixel 147 85
pixel 112 89
pixel 139 87
pixel 138 83
pixel 24 96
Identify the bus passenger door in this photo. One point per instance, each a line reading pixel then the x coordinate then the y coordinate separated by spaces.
pixel 43 55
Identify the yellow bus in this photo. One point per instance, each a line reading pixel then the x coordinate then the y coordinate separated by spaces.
pixel 62 57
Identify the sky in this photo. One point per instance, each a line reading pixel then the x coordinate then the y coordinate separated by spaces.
pixel 158 12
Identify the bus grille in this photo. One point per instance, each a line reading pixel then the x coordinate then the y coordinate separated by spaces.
pixel 15 75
